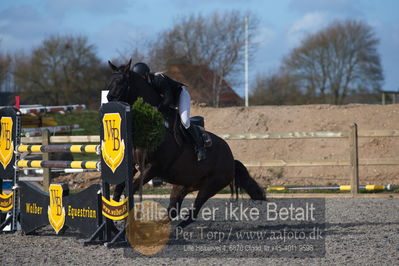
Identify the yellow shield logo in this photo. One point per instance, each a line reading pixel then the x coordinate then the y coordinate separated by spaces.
pixel 56 212
pixel 112 147
pixel 6 142
pixel 6 201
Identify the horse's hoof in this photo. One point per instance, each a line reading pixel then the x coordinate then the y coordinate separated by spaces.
pixel 165 220
pixel 183 224
pixel 172 214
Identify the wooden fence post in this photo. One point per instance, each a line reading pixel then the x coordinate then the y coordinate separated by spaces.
pixel 354 159
pixel 46 157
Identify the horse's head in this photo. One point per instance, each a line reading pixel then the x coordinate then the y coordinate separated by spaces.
pixel 126 86
pixel 119 85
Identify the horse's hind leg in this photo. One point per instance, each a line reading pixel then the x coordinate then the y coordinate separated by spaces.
pixel 176 198
pixel 208 189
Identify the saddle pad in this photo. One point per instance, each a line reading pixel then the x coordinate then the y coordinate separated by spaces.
pixel 198 121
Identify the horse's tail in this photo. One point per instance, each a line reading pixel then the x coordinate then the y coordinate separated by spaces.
pixel 245 181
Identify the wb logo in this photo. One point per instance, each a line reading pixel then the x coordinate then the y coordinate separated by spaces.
pixel 57 202
pixel 56 212
pixel 6 135
pixel 113 133
pixel 112 144
pixel 6 142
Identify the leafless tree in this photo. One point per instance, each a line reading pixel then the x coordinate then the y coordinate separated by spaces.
pixel 337 60
pixel 276 89
pixel 62 70
pixel 5 71
pixel 215 41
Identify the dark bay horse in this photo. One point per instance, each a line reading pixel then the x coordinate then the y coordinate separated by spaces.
pixel 175 161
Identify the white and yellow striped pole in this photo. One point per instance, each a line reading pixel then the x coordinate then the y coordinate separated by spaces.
pixel 59 148
pixel 59 164
pixel 341 188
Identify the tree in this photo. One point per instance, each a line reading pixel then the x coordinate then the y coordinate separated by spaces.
pixel 276 89
pixel 62 70
pixel 216 42
pixel 336 61
pixel 5 71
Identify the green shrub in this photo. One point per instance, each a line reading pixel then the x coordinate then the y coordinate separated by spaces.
pixel 148 126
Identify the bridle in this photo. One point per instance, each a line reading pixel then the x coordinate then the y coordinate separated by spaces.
pixel 123 82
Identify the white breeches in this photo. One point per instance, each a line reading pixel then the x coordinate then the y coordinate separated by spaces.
pixel 184 107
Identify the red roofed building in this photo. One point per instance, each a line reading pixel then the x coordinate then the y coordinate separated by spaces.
pixel 200 81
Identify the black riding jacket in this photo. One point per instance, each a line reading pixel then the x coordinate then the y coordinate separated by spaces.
pixel 168 88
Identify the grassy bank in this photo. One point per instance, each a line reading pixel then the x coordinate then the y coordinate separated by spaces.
pixel 89 122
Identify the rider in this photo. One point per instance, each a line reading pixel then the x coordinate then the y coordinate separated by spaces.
pixel 174 95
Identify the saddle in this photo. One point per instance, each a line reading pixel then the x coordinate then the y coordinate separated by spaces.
pixel 173 123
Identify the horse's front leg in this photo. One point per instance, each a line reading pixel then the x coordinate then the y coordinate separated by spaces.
pixel 120 187
pixel 176 199
pixel 149 173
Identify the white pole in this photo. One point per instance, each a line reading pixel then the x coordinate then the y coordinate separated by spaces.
pixel 104 94
pixel 246 62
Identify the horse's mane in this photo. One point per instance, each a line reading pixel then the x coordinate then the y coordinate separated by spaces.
pixel 143 89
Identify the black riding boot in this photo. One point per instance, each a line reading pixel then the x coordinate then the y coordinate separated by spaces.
pixel 198 142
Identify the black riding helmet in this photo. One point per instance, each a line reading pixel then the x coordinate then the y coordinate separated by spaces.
pixel 141 68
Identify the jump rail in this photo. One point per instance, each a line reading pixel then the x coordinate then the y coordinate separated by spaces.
pixel 59 164
pixel 60 148
pixel 352 135
pixel 89 211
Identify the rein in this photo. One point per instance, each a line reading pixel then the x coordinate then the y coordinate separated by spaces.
pixel 175 129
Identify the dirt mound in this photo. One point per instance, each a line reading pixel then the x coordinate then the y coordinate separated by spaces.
pixel 79 180
pixel 306 118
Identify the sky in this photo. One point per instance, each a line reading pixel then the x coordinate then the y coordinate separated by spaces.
pixel 114 26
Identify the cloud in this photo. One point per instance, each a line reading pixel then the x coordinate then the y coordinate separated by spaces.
pixel 341 7
pixel 120 36
pixel 265 36
pixel 105 7
pixel 309 23
pixel 24 21
pixel 23 26
pixel 189 4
